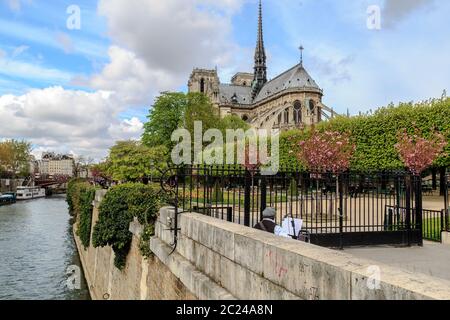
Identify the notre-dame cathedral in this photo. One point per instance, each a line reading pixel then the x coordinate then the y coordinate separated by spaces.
pixel 290 100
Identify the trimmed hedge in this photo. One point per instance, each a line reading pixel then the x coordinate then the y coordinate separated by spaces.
pixel 80 195
pixel 118 209
pixel 375 135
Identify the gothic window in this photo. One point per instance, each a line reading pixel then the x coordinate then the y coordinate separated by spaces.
pixel 319 114
pixel 202 85
pixel 286 116
pixel 297 112
pixel 280 116
pixel 311 107
pixel 245 118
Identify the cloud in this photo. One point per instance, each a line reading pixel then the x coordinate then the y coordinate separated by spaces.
pixel 131 79
pixel 33 71
pixel 174 36
pixel 16 5
pixel 65 42
pixel 65 120
pixel 396 10
pixel 19 50
pixel 155 46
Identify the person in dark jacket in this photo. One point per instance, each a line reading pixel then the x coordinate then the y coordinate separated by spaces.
pixel 268 223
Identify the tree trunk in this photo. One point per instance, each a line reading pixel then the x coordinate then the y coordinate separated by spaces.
pixel 443 181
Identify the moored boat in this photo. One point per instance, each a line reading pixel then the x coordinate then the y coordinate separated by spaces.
pixel 28 193
pixel 7 198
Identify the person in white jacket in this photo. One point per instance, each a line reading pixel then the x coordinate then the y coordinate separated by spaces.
pixel 268 224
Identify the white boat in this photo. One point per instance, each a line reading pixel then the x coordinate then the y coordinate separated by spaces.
pixel 28 193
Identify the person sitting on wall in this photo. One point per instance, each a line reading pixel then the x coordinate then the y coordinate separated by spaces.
pixel 268 224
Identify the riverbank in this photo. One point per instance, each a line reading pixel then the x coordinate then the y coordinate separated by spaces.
pixel 37 248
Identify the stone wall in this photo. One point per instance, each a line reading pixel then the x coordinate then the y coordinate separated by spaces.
pixel 217 260
pixel 141 279
pixel 249 264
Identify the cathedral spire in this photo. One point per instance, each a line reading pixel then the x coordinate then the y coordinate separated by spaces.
pixel 260 74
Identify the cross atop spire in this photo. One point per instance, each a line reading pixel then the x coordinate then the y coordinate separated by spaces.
pixel 301 54
pixel 260 74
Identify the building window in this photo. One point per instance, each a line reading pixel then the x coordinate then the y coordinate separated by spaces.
pixel 311 107
pixel 202 85
pixel 280 116
pixel 245 118
pixel 286 116
pixel 297 112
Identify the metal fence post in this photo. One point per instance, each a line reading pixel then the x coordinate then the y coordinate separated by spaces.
pixel 341 212
pixel 263 195
pixel 419 208
pixel 446 206
pixel 247 197
pixel 408 207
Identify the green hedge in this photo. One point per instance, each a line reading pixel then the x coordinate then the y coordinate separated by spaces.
pixel 80 195
pixel 119 207
pixel 375 135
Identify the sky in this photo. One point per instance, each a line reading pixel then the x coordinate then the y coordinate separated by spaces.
pixel 78 75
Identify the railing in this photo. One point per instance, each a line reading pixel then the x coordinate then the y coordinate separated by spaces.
pixel 433 225
pixel 337 210
pixel 447 204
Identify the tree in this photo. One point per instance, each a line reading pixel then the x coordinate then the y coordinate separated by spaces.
pixel 375 135
pixel 81 165
pixel 131 161
pixel 327 152
pixel 233 123
pixel 200 109
pixel 419 153
pixel 173 111
pixel 15 157
pixel 166 115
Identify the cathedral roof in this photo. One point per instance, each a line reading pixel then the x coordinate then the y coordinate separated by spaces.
pixel 235 94
pixel 296 77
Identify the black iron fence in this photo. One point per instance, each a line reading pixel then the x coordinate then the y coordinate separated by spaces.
pixel 447 204
pixel 433 224
pixel 348 209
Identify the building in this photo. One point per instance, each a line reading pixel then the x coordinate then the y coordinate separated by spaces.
pixel 54 164
pixel 290 100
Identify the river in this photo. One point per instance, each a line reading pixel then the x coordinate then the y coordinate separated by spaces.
pixel 36 250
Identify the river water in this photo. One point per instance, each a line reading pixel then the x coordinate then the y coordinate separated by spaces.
pixel 36 250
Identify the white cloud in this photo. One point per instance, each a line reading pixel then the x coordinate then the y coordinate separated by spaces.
pixel 16 5
pixel 155 46
pixel 33 71
pixel 19 50
pixel 130 77
pixel 64 120
pixel 174 36
pixel 65 41
pixel 396 10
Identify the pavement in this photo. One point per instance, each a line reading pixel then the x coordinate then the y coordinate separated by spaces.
pixel 432 259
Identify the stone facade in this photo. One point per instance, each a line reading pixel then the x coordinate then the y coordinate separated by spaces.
pixel 290 100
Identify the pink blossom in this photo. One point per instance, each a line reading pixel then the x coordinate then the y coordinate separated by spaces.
pixel 327 151
pixel 418 153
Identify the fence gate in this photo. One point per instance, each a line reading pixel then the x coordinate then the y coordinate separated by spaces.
pixel 352 209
